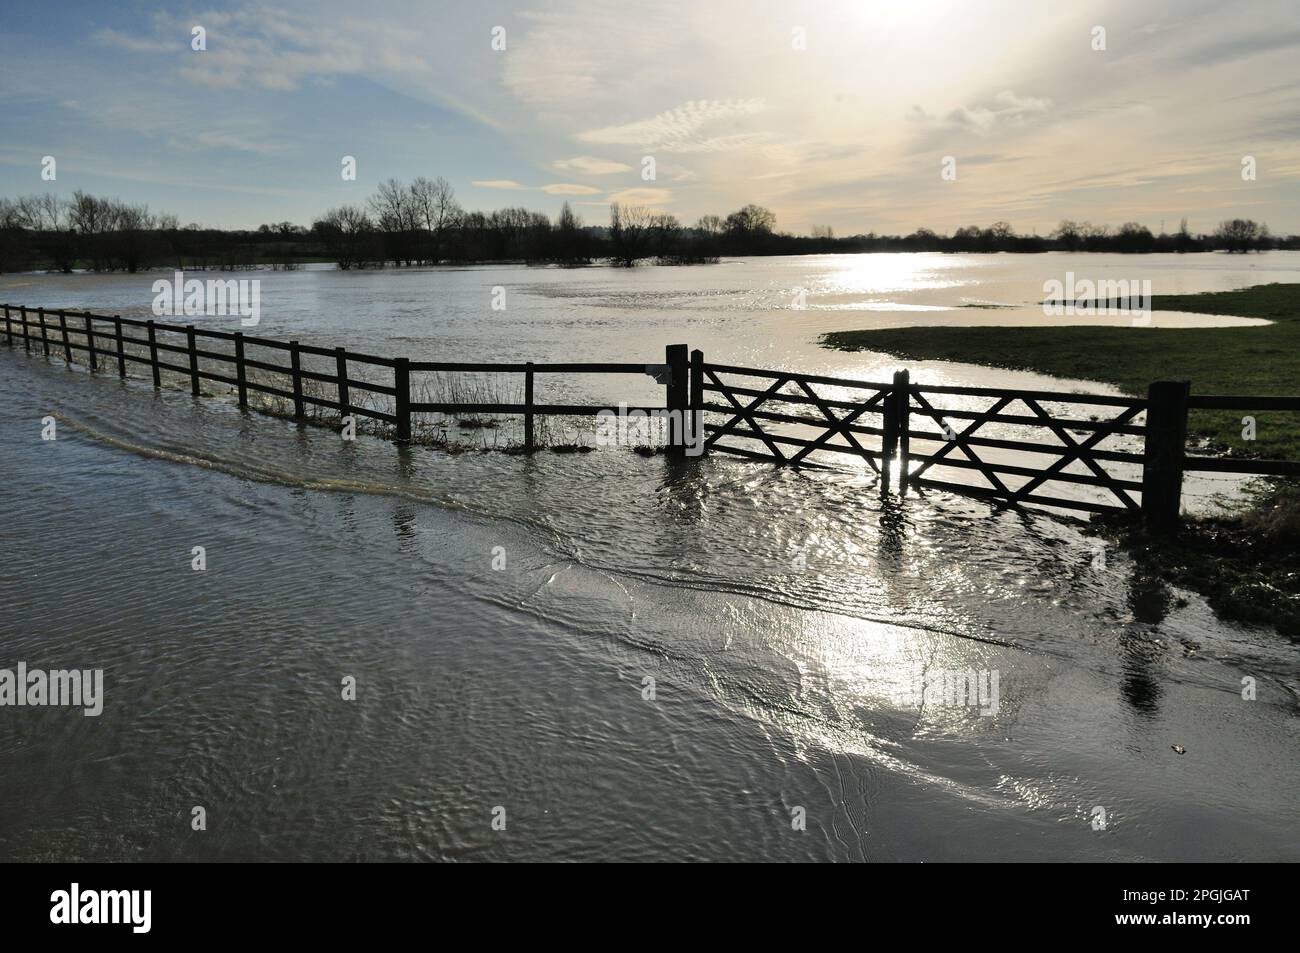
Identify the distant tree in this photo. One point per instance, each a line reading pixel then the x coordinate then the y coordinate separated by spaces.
pixel 1095 237
pixel 1134 237
pixel 15 250
pixel 132 241
pixel 395 217
pixel 46 214
pixel 1001 236
pixel 1069 234
pixel 570 240
pixel 750 222
pixel 434 210
pixel 1238 234
pixel 629 227
pixel 665 236
pixel 710 225
pixel 921 240
pixel 969 238
pixel 346 232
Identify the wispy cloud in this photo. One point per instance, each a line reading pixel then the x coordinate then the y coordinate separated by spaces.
pixel 139 44
pixel 1005 107
pixel 642 196
pixel 569 188
pixel 590 165
pixel 554 188
pixel 682 129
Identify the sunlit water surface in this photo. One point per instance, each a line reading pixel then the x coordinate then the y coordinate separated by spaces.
pixel 780 614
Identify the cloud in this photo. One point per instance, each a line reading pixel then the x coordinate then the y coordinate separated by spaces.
pixel 121 41
pixel 590 165
pixel 1004 108
pixel 223 140
pixel 643 196
pixel 681 129
pixel 568 188
pixel 554 188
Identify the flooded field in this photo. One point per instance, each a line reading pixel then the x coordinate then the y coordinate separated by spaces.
pixel 626 657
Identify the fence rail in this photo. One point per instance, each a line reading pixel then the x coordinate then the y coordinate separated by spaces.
pixel 786 417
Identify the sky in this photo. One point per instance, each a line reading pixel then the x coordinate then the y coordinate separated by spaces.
pixel 828 113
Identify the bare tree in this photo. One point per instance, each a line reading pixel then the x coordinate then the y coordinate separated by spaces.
pixel 710 225
pixel 434 208
pixel 1238 235
pixel 570 240
pixel 629 227
pixel 395 216
pixel 1069 234
pixel 347 232
pixel 131 239
pixel 665 235
pixel 46 215
pixel 751 221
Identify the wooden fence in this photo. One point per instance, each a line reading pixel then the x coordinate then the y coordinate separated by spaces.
pixel 104 342
pixel 1128 452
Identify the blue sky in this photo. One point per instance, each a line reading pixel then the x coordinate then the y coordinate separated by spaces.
pixel 827 112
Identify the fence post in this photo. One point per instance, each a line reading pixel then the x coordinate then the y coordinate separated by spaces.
pixel 341 362
pixel 528 408
pixel 889 440
pixel 1162 458
pixel 63 330
pixel 121 350
pixel 45 338
pixel 402 399
pixel 27 333
pixel 90 344
pixel 696 436
pixel 194 360
pixel 153 354
pixel 903 413
pixel 241 381
pixel 295 362
pixel 677 358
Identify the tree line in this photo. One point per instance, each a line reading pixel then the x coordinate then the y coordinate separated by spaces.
pixel 421 223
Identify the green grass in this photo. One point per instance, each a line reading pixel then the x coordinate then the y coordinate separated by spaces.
pixel 1241 360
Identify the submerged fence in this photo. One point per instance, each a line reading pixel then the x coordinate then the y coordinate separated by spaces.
pixel 1128 453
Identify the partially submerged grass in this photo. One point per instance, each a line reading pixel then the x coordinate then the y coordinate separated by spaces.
pixel 1246 563
pixel 1261 359
pixel 451 431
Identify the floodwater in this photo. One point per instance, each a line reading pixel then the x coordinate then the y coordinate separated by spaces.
pixel 619 657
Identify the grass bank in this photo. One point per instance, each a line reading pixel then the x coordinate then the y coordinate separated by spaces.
pixel 1264 359
pixel 1247 563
